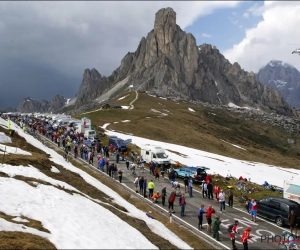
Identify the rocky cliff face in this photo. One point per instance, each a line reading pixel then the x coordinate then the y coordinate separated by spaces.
pixel 168 63
pixel 283 77
pixel 29 105
pixel 90 78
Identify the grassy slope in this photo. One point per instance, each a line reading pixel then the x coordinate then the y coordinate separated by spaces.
pixel 202 130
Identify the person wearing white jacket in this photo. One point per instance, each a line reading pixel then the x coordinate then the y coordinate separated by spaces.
pixel 222 200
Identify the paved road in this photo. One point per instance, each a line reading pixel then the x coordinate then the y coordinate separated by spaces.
pixel 261 229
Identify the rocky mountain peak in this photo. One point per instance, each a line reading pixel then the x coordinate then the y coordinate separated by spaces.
pixel 283 77
pixel 29 105
pixel 165 17
pixel 90 77
pixel 164 28
pixel 168 63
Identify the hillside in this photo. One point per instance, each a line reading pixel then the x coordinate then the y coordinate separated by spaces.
pixel 50 203
pixel 266 138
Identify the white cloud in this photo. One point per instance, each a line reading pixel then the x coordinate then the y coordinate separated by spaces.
pixel 206 35
pixel 268 40
pixel 246 15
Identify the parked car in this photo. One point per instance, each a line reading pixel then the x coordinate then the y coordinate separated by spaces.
pixel 119 143
pixel 198 174
pixel 277 209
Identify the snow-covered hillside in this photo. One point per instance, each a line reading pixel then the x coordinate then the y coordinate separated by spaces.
pixel 74 219
pixel 218 164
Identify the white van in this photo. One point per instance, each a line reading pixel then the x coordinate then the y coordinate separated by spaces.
pixel 64 122
pixel 156 154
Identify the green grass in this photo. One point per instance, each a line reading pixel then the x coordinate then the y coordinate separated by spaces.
pixel 202 130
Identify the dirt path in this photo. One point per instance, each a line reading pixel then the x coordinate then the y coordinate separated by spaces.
pixel 136 97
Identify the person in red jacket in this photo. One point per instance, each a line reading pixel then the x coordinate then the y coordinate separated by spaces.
pixel 208 179
pixel 209 213
pixel 246 236
pixel 217 191
pixel 233 233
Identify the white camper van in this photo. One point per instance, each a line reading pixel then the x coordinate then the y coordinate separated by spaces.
pixel 156 154
pixel 291 191
pixel 84 125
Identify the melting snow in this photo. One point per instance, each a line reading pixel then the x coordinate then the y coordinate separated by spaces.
pixel 54 170
pixel 156 111
pixel 125 107
pixel 126 121
pixel 105 125
pixel 18 219
pixel 163 98
pixel 233 145
pixel 13 150
pixel 222 165
pixel 191 110
pixel 123 97
pixel 4 138
pixel 232 105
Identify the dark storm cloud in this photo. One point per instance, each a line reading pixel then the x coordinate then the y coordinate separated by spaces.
pixel 45 46
pixel 36 81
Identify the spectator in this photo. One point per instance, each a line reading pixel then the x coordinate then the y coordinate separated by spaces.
pixel 186 183
pixel 120 174
pixel 216 227
pixel 171 201
pixel 190 187
pixel 222 201
pixel 156 196
pixel 246 236
pixel 210 190
pixel 292 218
pixel 209 213
pixel 200 216
pixel 217 191
pixel 204 189
pixel 145 185
pixel 141 184
pixel 232 232
pixel 163 195
pixel 151 187
pixel 182 204
pixel 253 210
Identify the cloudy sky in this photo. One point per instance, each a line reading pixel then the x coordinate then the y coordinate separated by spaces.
pixel 45 46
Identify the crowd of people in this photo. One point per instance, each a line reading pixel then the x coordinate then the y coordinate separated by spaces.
pixel 73 144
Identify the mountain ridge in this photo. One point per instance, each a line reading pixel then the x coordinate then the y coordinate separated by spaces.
pixel 283 77
pixel 168 63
